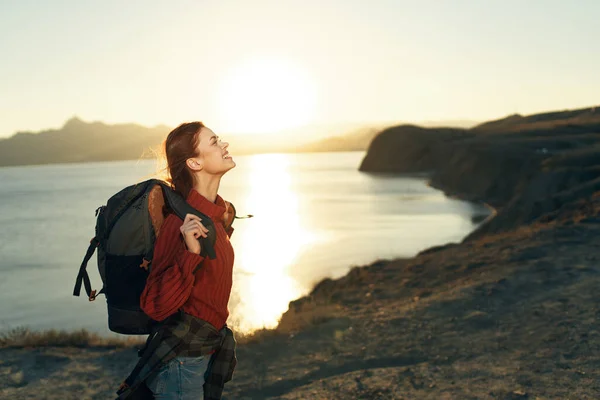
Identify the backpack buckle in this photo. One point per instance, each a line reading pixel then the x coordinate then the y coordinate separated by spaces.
pixel 92 296
pixel 145 264
pixel 124 386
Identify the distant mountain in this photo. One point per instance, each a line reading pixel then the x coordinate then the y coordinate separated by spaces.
pixel 80 141
pixel 356 140
pixel 360 138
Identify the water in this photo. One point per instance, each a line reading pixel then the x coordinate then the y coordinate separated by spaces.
pixel 316 216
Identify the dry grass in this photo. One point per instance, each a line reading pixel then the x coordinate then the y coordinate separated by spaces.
pixel 292 321
pixel 24 337
pixel 297 319
pixel 256 336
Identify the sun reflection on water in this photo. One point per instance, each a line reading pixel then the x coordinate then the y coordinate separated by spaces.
pixel 272 240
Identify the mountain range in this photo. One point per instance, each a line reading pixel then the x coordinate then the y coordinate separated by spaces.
pixel 80 141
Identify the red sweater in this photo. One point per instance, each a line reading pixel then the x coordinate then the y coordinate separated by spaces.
pixel 172 285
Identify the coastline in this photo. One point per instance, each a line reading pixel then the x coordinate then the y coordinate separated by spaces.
pixel 392 329
pixel 508 313
pixel 509 316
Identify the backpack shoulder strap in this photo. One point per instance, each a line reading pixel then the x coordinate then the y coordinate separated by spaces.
pixel 82 276
pixel 181 207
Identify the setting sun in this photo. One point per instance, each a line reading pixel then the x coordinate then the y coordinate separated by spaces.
pixel 266 95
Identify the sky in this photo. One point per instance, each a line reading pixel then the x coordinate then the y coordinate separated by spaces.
pixel 264 66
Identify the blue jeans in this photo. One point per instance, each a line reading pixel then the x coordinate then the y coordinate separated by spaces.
pixel 181 379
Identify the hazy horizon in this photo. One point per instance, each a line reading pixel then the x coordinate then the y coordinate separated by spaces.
pixel 264 66
pixel 346 126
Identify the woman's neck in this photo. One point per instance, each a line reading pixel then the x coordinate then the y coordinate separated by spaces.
pixel 207 186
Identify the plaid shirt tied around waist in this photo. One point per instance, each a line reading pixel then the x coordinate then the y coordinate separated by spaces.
pixel 192 337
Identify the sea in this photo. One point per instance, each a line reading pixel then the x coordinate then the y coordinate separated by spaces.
pixel 315 216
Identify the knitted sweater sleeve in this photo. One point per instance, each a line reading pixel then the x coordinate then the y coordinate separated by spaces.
pixel 171 277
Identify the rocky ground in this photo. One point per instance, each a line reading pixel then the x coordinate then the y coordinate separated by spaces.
pixel 511 316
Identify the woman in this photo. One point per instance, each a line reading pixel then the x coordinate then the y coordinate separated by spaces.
pixel 181 281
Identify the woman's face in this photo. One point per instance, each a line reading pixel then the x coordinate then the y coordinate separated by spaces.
pixel 213 155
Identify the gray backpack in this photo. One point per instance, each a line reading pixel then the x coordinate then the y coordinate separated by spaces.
pixel 126 229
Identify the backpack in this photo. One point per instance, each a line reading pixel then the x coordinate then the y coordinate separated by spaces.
pixel 126 230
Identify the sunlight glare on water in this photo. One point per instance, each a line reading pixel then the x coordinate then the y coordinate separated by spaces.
pixel 270 246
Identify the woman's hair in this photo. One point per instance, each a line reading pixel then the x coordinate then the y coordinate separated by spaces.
pixel 179 146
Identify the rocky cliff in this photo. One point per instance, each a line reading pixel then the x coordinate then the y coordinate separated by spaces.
pixel 525 167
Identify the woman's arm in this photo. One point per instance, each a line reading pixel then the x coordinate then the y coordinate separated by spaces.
pixel 171 275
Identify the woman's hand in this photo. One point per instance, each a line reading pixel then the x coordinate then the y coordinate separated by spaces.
pixel 191 230
pixel 228 215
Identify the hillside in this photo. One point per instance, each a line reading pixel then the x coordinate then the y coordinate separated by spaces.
pixel 78 141
pixel 526 167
